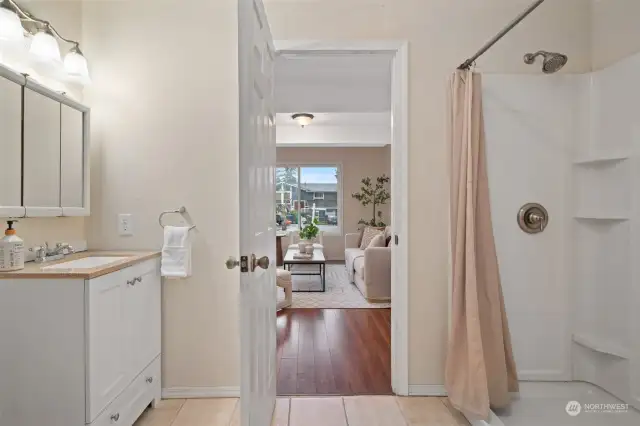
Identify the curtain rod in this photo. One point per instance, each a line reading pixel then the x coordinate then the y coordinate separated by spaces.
pixel 467 64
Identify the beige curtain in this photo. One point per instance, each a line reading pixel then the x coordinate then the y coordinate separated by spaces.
pixel 480 370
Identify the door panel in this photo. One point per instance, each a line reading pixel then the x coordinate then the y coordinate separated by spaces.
pixel 41 151
pixel 108 369
pixel 10 146
pixel 257 224
pixel 142 310
pixel 71 158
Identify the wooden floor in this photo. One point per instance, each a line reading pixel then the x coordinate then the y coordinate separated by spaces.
pixel 310 411
pixel 334 352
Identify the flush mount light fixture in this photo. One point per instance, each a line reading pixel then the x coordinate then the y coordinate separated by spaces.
pixel 44 45
pixel 303 118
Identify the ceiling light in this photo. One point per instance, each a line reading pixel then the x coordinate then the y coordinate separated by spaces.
pixel 10 27
pixel 303 119
pixel 76 66
pixel 44 47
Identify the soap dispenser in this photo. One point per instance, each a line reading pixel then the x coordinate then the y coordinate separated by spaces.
pixel 11 250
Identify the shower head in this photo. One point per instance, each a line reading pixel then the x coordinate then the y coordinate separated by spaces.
pixel 552 61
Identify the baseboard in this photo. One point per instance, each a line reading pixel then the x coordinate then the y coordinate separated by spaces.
pixel 201 392
pixel 427 390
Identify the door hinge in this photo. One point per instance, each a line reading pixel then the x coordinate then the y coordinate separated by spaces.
pixel 244 263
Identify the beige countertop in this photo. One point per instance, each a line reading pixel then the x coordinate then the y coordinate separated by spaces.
pixel 34 270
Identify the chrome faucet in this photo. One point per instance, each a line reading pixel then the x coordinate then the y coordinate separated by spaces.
pixel 44 254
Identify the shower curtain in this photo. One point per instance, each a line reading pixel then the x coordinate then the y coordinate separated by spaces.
pixel 480 369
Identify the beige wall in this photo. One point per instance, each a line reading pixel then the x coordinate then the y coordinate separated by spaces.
pixel 66 18
pixel 441 33
pixel 616 33
pixel 356 163
pixel 165 134
pixel 165 104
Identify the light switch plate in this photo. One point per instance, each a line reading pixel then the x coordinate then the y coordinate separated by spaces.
pixel 125 224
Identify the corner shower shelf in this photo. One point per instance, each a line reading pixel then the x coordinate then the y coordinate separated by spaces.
pixel 602 346
pixel 603 160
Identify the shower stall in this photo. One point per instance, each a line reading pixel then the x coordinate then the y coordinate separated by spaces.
pixel 568 146
pixel 572 292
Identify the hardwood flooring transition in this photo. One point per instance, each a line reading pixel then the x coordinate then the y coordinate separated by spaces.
pixel 334 352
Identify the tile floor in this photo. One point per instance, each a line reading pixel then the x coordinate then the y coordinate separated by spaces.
pixel 310 411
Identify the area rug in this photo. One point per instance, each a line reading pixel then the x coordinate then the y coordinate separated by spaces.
pixel 340 293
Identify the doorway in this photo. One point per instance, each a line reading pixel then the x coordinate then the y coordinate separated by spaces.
pixel 328 344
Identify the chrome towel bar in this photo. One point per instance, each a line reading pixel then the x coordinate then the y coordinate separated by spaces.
pixel 181 211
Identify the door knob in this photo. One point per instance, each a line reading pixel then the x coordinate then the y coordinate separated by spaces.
pixel 232 262
pixel 262 262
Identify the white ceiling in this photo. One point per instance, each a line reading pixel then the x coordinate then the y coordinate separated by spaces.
pixel 333 83
pixel 372 129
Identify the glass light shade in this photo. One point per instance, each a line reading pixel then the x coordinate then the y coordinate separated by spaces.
pixel 44 48
pixel 303 119
pixel 10 26
pixel 76 67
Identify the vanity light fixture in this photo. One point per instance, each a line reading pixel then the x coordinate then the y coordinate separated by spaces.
pixel 10 27
pixel 303 118
pixel 44 46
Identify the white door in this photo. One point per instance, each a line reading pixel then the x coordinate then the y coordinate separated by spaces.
pixel 257 215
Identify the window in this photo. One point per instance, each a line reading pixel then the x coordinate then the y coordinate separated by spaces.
pixel 305 193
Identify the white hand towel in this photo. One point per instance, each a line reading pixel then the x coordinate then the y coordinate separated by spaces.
pixel 176 252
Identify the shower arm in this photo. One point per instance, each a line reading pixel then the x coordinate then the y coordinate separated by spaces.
pixel 488 45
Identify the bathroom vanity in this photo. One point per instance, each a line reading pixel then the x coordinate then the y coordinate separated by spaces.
pixel 80 340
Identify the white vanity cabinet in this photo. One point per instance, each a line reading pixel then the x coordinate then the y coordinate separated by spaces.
pixel 11 144
pixel 44 147
pixel 80 352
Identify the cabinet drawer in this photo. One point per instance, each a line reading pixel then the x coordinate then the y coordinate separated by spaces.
pixel 127 407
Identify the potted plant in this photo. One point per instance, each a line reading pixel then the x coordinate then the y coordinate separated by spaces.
pixel 307 235
pixel 374 195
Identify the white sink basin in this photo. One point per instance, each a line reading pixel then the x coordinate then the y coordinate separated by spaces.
pixel 86 262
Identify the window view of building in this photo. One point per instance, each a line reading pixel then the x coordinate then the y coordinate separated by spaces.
pixel 305 193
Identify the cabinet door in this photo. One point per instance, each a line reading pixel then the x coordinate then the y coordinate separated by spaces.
pixel 142 306
pixel 41 155
pixel 71 161
pixel 10 149
pixel 107 365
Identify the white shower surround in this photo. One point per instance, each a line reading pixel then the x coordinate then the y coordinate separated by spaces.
pixel 572 143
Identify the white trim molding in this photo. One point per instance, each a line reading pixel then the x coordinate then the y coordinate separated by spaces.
pixel 201 392
pixel 427 390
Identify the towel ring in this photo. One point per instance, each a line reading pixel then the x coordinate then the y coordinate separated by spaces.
pixel 181 211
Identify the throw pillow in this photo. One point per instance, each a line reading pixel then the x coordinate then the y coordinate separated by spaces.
pixel 369 233
pixel 377 241
pixel 362 233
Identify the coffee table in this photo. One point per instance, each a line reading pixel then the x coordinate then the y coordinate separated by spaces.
pixel 316 259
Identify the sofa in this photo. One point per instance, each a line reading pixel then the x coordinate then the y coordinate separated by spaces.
pixel 369 269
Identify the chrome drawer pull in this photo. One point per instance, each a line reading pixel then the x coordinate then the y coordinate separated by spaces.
pixel 149 379
pixel 139 279
pixel 132 282
pixel 115 417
